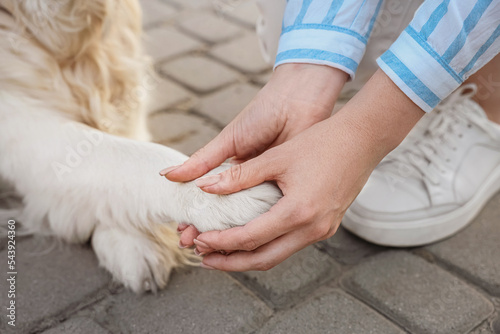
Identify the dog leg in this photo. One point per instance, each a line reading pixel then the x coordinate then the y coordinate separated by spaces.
pixel 75 180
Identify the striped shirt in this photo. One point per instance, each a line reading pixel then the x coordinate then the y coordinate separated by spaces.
pixel 445 43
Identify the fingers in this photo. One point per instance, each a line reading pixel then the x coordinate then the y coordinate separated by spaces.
pixel 256 233
pixel 187 236
pixel 204 160
pixel 241 176
pixel 264 258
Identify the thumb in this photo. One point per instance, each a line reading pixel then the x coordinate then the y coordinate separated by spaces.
pixel 204 160
pixel 238 177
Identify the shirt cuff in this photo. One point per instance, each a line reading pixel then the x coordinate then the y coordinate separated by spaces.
pixel 418 70
pixel 321 44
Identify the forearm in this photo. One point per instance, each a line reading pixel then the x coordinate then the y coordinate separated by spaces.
pixel 379 116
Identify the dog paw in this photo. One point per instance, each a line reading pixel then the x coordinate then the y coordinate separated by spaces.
pixel 139 261
pixel 209 212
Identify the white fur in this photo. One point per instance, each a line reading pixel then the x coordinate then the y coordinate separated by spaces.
pixel 79 182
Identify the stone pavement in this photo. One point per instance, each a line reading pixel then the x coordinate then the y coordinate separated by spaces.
pixel 206 54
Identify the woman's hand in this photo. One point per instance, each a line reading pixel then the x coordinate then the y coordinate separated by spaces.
pixel 319 171
pixel 296 97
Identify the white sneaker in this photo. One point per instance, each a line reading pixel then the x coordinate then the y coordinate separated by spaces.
pixel 436 182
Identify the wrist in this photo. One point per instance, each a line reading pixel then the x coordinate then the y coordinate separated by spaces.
pixel 318 85
pixel 382 114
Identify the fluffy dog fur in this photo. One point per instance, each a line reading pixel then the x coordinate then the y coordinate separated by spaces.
pixel 73 141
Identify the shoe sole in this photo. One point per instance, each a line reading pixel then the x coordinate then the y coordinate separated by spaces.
pixel 424 231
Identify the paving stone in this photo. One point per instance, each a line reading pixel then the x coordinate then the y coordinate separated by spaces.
pixel 199 73
pixel 245 12
pixel 3 243
pixel 209 27
pixel 164 94
pixel 293 279
pixel 194 4
pixel 475 252
pixel 77 326
pixel 155 11
pixel 242 53
pixel 485 328
pixel 165 42
pixel 185 133
pixel 332 311
pixel 198 301
pixel 420 296
pixel 224 105
pixel 347 248
pixel 496 326
pixel 50 282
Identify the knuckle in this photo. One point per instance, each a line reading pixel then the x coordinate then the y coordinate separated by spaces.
pixel 235 172
pixel 303 213
pixel 322 230
pixel 264 265
pixel 249 243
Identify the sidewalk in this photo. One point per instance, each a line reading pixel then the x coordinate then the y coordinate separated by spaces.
pixel 207 56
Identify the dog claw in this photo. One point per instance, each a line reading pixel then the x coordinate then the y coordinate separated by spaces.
pixel 149 285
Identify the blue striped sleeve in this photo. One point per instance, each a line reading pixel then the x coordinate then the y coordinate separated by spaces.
pixel 446 42
pixel 327 32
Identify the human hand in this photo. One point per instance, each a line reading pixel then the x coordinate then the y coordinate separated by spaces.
pixel 296 97
pixel 336 157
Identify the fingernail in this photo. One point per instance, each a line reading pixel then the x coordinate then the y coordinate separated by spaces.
pixel 206 181
pixel 181 245
pixel 198 253
pixel 204 266
pixel 165 171
pixel 200 244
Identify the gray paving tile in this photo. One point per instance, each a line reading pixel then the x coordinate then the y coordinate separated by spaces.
pixel 77 326
pixel 180 131
pixel 244 12
pixel 162 43
pixel 496 326
pixel 242 53
pixel 155 11
pixel 332 311
pixel 209 27
pixel 164 93
pixel 194 4
pixel 50 282
pixel 197 301
pixel 484 328
pixel 418 295
pixel 346 248
pixel 475 252
pixel 199 73
pixel 293 279
pixel 225 104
